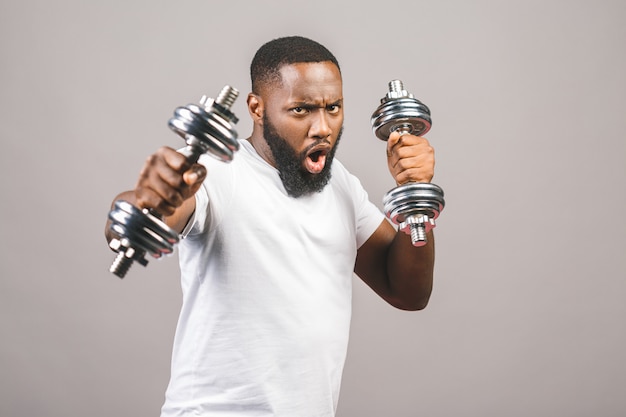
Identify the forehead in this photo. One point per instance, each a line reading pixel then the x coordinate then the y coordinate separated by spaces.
pixel 310 81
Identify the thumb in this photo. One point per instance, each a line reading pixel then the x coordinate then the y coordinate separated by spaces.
pixel 394 139
pixel 194 175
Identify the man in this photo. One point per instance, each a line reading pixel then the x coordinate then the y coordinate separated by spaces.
pixel 270 244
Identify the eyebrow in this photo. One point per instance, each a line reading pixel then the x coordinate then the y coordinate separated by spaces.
pixel 313 104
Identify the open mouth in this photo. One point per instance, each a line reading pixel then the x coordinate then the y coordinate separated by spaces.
pixel 316 159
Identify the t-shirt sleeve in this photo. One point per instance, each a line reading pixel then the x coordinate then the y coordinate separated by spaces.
pixel 368 216
pixel 198 219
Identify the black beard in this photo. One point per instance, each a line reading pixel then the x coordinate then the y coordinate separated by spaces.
pixel 296 180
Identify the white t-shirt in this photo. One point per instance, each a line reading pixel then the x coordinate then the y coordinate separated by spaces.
pixel 266 282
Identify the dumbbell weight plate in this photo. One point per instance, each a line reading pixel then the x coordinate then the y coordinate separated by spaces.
pixel 413 198
pixel 208 131
pixel 143 229
pixel 406 114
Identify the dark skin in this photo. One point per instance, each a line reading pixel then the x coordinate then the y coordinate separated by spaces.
pixel 305 108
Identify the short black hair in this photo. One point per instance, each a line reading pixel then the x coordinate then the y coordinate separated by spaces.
pixel 269 58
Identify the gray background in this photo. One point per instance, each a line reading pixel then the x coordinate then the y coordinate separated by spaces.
pixel 528 102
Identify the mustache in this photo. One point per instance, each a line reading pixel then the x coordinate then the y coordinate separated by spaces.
pixel 313 145
pixel 320 141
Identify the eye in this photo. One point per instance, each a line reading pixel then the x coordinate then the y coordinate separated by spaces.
pixel 333 108
pixel 300 110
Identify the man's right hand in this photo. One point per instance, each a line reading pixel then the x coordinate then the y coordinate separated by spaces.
pixel 166 184
pixel 166 181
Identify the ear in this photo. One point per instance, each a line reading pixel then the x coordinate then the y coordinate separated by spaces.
pixel 255 108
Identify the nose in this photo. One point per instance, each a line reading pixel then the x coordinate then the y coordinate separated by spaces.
pixel 320 127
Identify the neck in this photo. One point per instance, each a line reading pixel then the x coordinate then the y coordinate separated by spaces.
pixel 261 147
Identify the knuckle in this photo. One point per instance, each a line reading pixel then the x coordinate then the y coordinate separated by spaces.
pixel 165 209
pixel 403 164
pixel 142 198
pixel 152 159
pixel 174 198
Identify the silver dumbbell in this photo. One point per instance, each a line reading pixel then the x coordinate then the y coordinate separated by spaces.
pixel 206 128
pixel 413 206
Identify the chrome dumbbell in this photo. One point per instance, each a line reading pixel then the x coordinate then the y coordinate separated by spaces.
pixel 206 128
pixel 413 206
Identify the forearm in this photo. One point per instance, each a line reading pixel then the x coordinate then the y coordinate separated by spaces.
pixel 410 272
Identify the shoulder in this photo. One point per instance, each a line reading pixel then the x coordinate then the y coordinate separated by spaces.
pixel 344 179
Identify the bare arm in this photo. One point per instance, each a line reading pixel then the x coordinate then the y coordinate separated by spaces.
pixel 402 274
pixel 166 184
pixel 399 272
